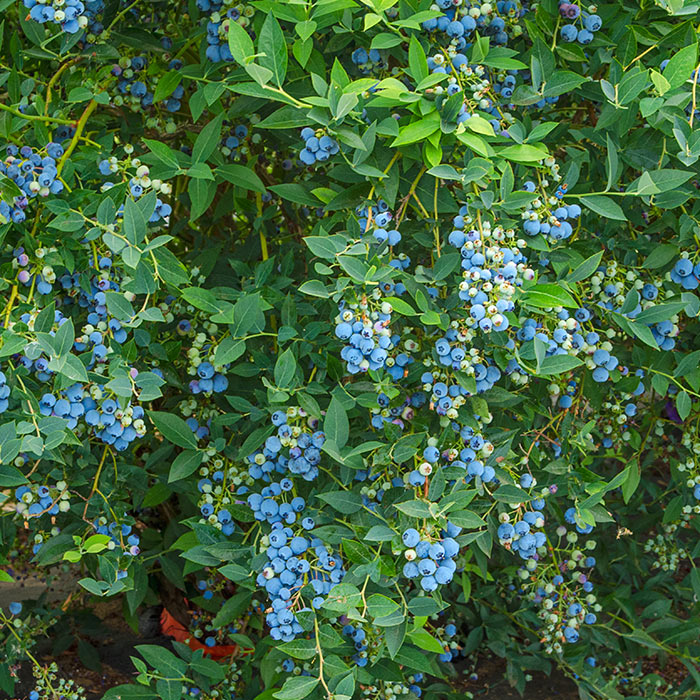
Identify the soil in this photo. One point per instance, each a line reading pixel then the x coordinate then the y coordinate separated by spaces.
pixel 114 643
pixel 492 685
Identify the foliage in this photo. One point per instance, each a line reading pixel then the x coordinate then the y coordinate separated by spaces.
pixel 369 328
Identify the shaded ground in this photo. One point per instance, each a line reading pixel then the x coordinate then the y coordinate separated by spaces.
pixel 491 684
pixel 112 642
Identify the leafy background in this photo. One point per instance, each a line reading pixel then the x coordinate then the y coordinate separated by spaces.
pixel 184 218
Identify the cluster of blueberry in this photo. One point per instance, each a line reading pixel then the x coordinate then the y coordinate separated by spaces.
pixel 686 274
pixel 614 416
pixel 564 621
pixel 398 414
pixel 35 274
pixel 216 486
pixel 266 509
pixel 209 376
pixel 471 453
pixel 364 325
pixel 358 636
pixel 50 685
pixel 231 144
pixel 294 561
pixel 392 690
pixel 550 218
pixel 581 26
pixel 472 363
pixel 691 442
pixel 318 146
pixel 209 380
pixel 138 183
pixel 562 590
pixel 379 223
pixel 201 620
pixel 295 449
pixel 96 335
pixel 134 89
pixel 491 273
pixel 431 558
pixel 4 393
pixel 112 424
pixel 372 492
pixel 667 546
pixel 33 174
pixel 221 14
pixel 34 500
pixel 451 648
pixel 525 535
pixel 123 542
pixel 72 15
pixel 221 518
pixel 480 87
pixel 369 62
pixel 566 600
pixel 608 285
pixel 462 17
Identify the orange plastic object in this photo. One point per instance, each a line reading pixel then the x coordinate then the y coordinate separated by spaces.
pixel 172 628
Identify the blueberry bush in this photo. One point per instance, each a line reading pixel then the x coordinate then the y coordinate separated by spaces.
pixel 362 335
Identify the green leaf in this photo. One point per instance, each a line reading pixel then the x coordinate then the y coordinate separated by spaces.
pixel 660 312
pixel 326 247
pixel 381 606
pixel 228 350
pixel 242 177
pixel 232 609
pixel 523 153
pixel 296 687
pixel 173 429
pixel 287 117
pixel 414 509
pixel 394 637
pixel 185 463
pixel 342 597
pixel 11 476
pixel 272 48
pixel 166 84
pixel 545 296
pixel 425 640
pixel 400 306
pixel 424 606
pixel 346 502
pixel 119 306
pixel 314 288
pixel 680 67
pixel 201 299
pixel 507 493
pixel 612 162
pixel 444 172
pixel 683 404
pixel 561 82
pixel 240 43
pixel 336 425
pixel 208 139
pixel 417 131
pixel 558 364
pixel 164 661
pixel 417 61
pixel 163 152
pixel 299 648
pixel 466 519
pixel 285 369
pixel 631 482
pixel 605 206
pixel 585 269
